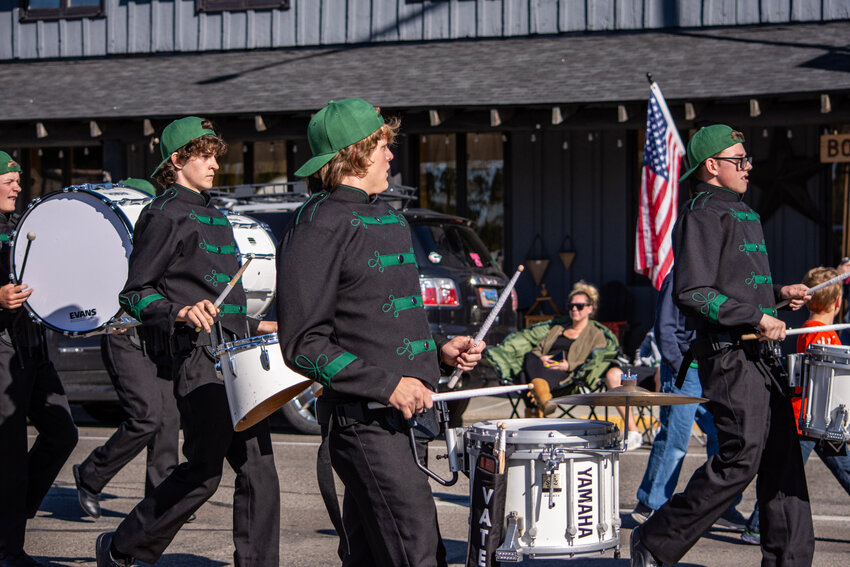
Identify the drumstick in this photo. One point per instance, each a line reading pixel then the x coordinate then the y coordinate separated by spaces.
pixel 535 387
pixel 30 238
pixel 802 331
pixel 500 442
pixel 488 322
pixel 229 287
pixel 821 285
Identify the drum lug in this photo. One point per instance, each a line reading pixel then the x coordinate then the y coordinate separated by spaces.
pixel 509 550
pixel 835 429
pixel 264 358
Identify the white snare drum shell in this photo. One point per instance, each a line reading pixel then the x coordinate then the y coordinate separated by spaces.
pixel 256 379
pixel 825 412
pixel 565 494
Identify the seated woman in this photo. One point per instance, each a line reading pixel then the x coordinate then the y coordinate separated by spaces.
pixel 569 353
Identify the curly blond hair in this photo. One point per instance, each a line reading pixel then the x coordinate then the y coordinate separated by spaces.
pixel 587 289
pixel 822 299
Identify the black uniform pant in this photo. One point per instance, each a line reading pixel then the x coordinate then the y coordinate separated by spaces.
pixel 153 421
pixel 26 475
pixel 756 434
pixel 388 509
pixel 209 440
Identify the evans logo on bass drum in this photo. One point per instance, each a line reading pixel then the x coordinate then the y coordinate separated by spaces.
pixel 82 314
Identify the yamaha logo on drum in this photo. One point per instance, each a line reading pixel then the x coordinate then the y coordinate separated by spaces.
pixel 82 314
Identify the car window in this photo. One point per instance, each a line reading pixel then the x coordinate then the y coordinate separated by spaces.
pixel 453 246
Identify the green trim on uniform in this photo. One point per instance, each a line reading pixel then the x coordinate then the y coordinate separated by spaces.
pixel 746 215
pixel 756 280
pixel 402 303
pixel 383 219
pixel 229 308
pixel 748 247
pixel 211 221
pixel 768 311
pixel 710 304
pixel 216 278
pixel 212 248
pixel 382 261
pixel 412 348
pixel 334 366
pixel 136 307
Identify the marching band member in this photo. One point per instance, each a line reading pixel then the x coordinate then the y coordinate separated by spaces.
pixel 29 388
pixel 152 418
pixel 183 253
pixel 722 284
pixel 351 318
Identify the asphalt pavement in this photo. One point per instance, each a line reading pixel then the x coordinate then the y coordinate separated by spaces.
pixel 62 535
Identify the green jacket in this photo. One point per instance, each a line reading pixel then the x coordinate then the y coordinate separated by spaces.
pixel 589 357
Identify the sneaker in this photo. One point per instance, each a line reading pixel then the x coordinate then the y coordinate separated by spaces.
pixel 753 538
pixel 732 519
pixel 639 555
pixel 634 441
pixel 641 513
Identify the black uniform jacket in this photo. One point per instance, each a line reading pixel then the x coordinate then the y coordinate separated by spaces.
pixel 350 312
pixel 722 276
pixel 22 329
pixel 183 252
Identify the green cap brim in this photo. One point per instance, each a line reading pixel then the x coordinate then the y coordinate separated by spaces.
pixel 690 171
pixel 314 164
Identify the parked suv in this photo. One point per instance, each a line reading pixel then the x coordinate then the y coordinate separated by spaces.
pixel 459 280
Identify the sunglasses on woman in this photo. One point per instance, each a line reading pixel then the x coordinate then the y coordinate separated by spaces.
pixel 578 306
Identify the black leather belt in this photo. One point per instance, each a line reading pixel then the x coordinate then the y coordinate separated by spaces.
pixel 344 414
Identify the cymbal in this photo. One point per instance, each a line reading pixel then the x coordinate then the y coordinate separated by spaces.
pixel 628 394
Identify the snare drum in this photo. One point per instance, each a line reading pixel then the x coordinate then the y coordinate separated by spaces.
pixel 260 279
pixel 77 264
pixel 826 392
pixel 256 379
pixel 562 496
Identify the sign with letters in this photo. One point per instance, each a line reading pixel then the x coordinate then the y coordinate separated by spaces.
pixel 835 148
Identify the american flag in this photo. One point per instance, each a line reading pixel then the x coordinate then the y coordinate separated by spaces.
pixel 659 191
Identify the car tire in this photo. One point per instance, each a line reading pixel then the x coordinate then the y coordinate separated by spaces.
pixel 300 413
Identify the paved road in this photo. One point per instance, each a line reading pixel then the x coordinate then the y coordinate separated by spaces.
pixel 62 535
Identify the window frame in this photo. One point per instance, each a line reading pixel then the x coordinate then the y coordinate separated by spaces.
pixel 63 12
pixel 217 6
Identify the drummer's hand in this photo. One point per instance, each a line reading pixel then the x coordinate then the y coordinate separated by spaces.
pixel 552 364
pixel 267 327
pixel 200 315
pixel 796 293
pixel 772 329
pixel 411 396
pixel 13 296
pixel 461 353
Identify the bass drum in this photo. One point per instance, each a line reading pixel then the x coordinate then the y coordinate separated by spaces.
pixel 77 262
pixel 260 278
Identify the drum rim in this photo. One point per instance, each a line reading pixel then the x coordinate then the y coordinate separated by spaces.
pixel 593 429
pixel 246 343
pixel 83 188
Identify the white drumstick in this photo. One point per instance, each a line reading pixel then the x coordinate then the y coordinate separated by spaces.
pixel 475 393
pixel 803 330
pixel 229 287
pixel 488 322
pixel 811 290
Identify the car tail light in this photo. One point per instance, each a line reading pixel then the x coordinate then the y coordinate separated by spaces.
pixel 440 292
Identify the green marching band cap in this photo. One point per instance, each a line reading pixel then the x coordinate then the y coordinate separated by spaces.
pixel 337 126
pixel 7 164
pixel 140 184
pixel 178 134
pixel 709 141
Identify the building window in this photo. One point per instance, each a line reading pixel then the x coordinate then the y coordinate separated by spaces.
pixel 239 5
pixel 270 162
pixel 231 166
pixel 463 174
pixel 61 9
